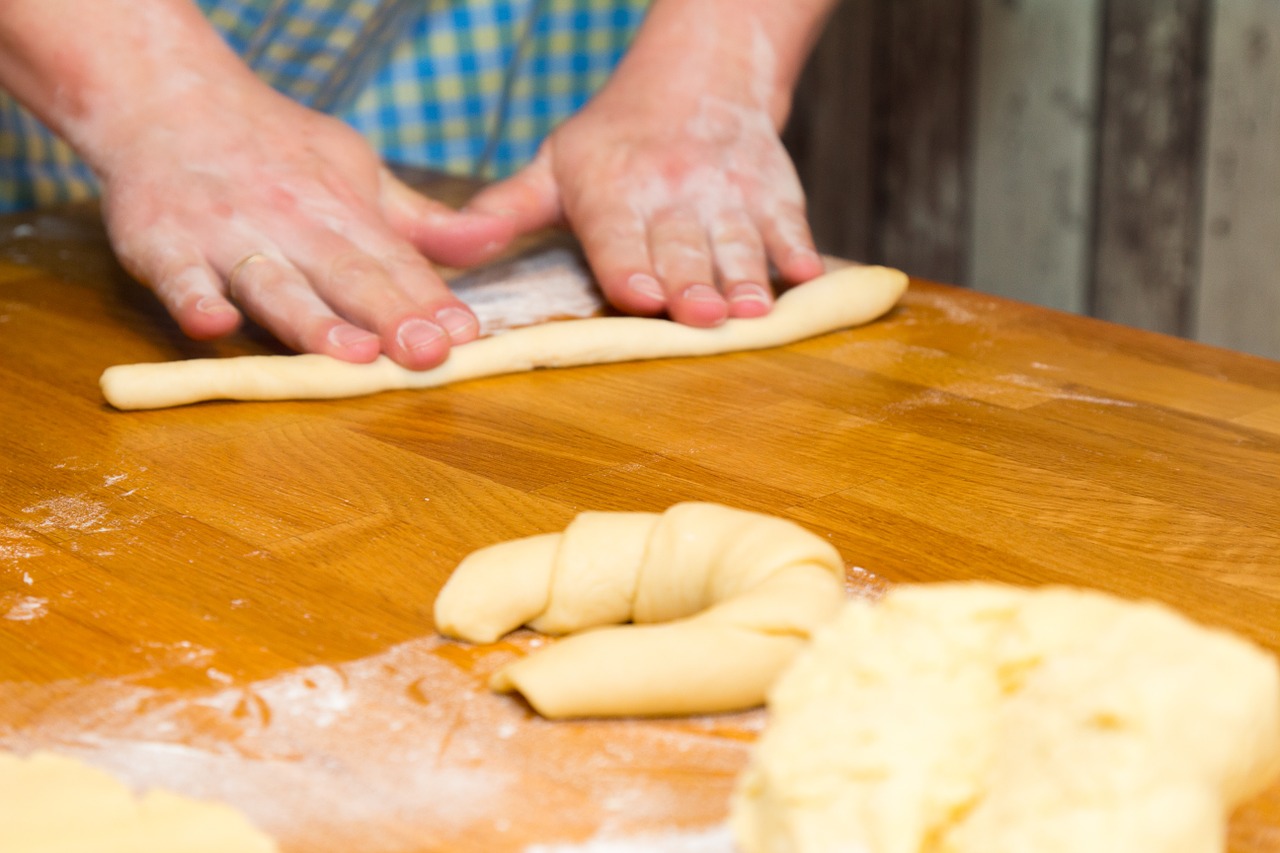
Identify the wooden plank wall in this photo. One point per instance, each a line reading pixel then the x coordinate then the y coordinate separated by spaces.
pixel 1113 157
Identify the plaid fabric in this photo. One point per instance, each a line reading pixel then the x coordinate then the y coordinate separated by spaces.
pixel 464 86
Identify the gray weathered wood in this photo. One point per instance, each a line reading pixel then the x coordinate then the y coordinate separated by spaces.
pixel 924 57
pixel 1120 157
pixel 830 132
pixel 1238 303
pixel 1034 148
pixel 1149 163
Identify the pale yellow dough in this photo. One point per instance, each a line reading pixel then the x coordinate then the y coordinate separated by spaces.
pixel 845 297
pixel 723 599
pixel 979 718
pixel 52 803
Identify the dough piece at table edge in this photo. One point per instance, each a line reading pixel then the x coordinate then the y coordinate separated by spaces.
pixel 987 718
pixel 843 298
pixel 745 589
pixel 39 792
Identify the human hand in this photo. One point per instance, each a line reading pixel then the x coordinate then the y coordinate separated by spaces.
pixel 251 200
pixel 680 203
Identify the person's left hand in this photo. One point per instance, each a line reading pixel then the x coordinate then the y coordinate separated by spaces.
pixel 681 202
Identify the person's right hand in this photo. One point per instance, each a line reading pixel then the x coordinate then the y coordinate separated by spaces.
pixel 226 197
pixel 256 202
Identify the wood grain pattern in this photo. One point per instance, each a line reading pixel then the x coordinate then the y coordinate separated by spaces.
pixel 233 600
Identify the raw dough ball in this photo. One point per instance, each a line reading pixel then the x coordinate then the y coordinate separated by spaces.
pixel 738 594
pixel 978 718
pixel 52 803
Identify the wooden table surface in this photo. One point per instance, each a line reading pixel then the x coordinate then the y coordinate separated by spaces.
pixel 233 600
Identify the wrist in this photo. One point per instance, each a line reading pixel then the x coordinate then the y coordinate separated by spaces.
pixel 121 71
pixel 744 52
pixel 189 112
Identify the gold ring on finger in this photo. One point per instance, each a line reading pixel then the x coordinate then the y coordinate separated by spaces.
pixel 240 265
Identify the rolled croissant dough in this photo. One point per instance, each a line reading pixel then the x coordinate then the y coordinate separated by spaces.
pixel 845 297
pixel 52 803
pixel 978 718
pixel 722 600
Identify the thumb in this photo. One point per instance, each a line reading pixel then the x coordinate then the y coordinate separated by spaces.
pixel 444 235
pixel 529 199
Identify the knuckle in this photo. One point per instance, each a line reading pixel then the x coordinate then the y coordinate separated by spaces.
pixel 355 269
pixel 183 283
pixel 740 261
pixel 736 232
pixel 612 232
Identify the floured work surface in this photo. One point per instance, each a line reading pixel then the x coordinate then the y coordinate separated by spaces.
pixel 239 597
pixel 402 751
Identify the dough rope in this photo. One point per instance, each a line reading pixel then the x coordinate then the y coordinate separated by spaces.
pixel 722 600
pixel 982 718
pixel 846 297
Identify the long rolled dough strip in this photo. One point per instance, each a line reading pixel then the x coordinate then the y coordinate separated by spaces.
pixel 840 299
pixel 722 598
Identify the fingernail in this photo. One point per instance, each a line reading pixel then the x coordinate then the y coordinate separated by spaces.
pixel 702 293
pixel 461 325
pixel 749 292
pixel 646 286
pixel 349 336
pixel 417 334
pixel 214 305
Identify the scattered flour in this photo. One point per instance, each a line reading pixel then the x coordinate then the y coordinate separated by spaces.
pixel 182 654
pixel 18 545
pixel 402 751
pixel 1056 392
pixel 23 608
pixel 71 512
pixel 950 308
pixel 862 583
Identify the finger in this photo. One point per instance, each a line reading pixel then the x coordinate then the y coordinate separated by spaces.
pixel 789 243
pixel 682 261
pixel 190 290
pixel 281 299
pixel 193 297
pixel 616 246
pixel 389 288
pixel 530 199
pixel 741 264
pixel 390 283
pixel 446 236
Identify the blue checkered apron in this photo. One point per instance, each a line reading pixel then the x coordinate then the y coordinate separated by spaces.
pixel 463 86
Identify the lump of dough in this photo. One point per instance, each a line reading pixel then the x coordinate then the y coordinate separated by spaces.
pixel 52 803
pixel 722 598
pixel 979 718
